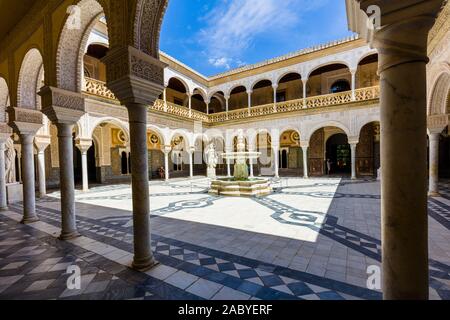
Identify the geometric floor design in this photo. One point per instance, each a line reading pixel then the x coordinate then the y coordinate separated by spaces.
pixel 33 263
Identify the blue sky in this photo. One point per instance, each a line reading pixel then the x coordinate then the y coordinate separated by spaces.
pixel 213 36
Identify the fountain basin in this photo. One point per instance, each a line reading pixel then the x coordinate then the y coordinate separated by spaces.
pixel 240 188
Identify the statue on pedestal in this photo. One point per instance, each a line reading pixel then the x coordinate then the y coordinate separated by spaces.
pixel 10 162
pixel 212 161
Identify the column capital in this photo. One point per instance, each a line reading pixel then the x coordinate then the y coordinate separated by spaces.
pixel 437 123
pixel 133 76
pixel 249 91
pixel 353 143
pixel 62 106
pixel 83 144
pixel 304 144
pixel 25 121
pixel 166 149
pixel 393 37
pixel 42 142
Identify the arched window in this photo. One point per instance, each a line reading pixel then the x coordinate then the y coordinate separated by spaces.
pixel 340 86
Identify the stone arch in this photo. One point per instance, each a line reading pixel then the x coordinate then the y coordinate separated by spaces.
pixel 287 72
pixel 321 125
pixel 235 86
pixel 439 96
pixel 4 98
pixel 159 132
pixel 28 81
pixel 147 25
pixel 182 133
pixel 328 63
pixel 259 79
pixel 69 60
pixel 123 126
pixel 185 84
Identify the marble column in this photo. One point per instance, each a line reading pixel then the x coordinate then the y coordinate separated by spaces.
pixel 353 72
pixel 433 187
pixel 3 197
pixel 41 142
pixel 227 105
pixel 166 151
pixel 67 182
pixel 190 104
pixel 251 164
pixel 143 256
pixel 249 103
pixel 276 157
pixel 305 162
pixel 191 163
pixel 275 87
pixel 305 84
pixel 28 178
pixel 84 145
pixel 402 47
pixel 165 99
pixel 41 173
pixel 228 163
pixel 353 159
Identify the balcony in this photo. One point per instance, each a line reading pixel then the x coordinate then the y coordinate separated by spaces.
pixel 363 95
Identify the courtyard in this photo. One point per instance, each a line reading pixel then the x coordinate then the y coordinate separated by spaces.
pixel 311 239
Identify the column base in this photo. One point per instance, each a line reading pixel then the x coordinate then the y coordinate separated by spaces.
pixel 69 236
pixel 433 194
pixel 144 264
pixel 4 209
pixel 29 220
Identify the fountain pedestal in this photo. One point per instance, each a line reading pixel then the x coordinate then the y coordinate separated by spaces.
pixel 244 188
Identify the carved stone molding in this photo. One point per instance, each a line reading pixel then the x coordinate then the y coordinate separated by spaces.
pixel 25 121
pixel 62 106
pixel 133 76
pixel 437 123
pixel 5 129
pixel 83 144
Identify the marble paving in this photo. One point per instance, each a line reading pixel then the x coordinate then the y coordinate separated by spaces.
pixel 312 239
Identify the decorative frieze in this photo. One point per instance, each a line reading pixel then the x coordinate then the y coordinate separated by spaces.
pixel 62 106
pixel 133 76
pixel 25 121
pixel 437 123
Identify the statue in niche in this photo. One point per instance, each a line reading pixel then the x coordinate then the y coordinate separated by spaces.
pixel 10 162
pixel 212 160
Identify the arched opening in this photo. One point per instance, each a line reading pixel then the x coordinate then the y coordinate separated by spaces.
pixel 290 87
pixel 219 144
pixel 198 102
pixel 94 68
pixel 179 159
pixel 177 92
pixel 291 154
pixel 367 75
pixel 338 155
pixel 368 150
pixel 217 103
pixel 321 80
pixel 265 165
pixel 262 93
pixel 155 155
pixel 340 86
pixel 30 80
pixel 238 98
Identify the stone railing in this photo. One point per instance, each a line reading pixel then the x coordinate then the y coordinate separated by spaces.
pixel 177 110
pixel 98 88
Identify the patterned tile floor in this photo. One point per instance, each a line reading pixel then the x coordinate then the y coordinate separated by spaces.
pixel 312 239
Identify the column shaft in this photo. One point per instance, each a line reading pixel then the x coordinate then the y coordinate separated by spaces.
pixel 67 182
pixel 84 169
pixel 3 197
pixel 403 186
pixel 166 165
pixel 276 157
pixel 353 160
pixel 433 188
pixel 28 176
pixel 41 171
pixel 143 256
pixel 353 85
pixel 191 164
pixel 305 162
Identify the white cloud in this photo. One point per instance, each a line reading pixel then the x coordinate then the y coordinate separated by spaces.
pixel 233 25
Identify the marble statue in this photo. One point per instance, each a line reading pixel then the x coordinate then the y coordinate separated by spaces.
pixel 212 160
pixel 240 167
pixel 10 162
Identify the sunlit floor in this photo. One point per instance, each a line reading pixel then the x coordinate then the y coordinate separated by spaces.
pixel 310 239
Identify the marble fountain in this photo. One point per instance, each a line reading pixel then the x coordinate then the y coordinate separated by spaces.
pixel 241 185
